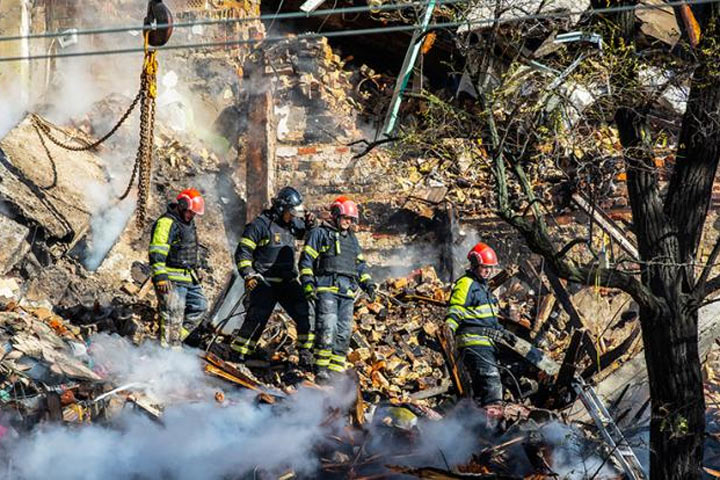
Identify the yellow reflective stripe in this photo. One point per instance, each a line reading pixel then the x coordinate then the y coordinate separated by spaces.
pixel 243 341
pixel 337 358
pixel 460 291
pixel 452 323
pixel 184 332
pixel 482 311
pixel 337 245
pixel 322 362
pixel 365 277
pixel 324 248
pixel 470 340
pixel 242 349
pixel 311 251
pixel 244 263
pixel 328 289
pixel 361 257
pixel 179 278
pixel 161 234
pixel 323 353
pixel 307 271
pixel 162 249
pixel 178 274
pixel 157 267
pixel 336 368
pixel 308 336
pixel 177 269
pixel 248 243
pixel 263 242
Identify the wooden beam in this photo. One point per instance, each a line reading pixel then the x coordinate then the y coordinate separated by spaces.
pixel 563 296
pixel 554 284
pixel 606 224
pixel 570 361
pixel 547 303
pixel 607 358
pixel 443 337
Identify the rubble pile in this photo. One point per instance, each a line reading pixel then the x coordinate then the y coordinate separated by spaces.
pixel 55 370
pixel 45 373
pixel 395 349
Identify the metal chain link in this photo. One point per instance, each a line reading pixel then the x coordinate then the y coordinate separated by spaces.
pixel 44 126
pixel 50 157
pixel 142 168
pixel 146 167
pixel 143 123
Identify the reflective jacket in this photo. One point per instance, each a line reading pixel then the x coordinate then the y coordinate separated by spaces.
pixel 173 248
pixel 333 261
pixel 268 247
pixel 473 312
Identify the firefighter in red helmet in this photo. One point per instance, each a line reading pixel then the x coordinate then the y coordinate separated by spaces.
pixel 174 258
pixel 332 268
pixel 473 317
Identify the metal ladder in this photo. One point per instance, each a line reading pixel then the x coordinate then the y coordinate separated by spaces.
pixel 620 448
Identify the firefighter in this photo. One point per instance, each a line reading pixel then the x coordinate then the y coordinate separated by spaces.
pixel 332 269
pixel 265 258
pixel 173 256
pixel 473 317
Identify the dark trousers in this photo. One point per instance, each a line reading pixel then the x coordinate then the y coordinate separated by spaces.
pixel 481 364
pixel 180 312
pixel 260 305
pixel 334 327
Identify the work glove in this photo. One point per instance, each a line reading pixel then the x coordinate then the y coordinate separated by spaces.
pixel 251 281
pixel 371 290
pixel 310 220
pixel 310 292
pixel 163 287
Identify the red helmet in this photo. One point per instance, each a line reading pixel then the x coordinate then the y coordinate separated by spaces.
pixel 482 254
pixel 191 199
pixel 344 207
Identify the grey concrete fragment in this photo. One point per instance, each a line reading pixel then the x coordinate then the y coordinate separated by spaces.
pixel 13 239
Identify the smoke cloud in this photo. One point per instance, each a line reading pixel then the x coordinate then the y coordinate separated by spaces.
pixel 198 437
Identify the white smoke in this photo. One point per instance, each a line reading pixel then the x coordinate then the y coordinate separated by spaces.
pixel 198 438
pixel 109 217
pixel 163 374
pixel 13 109
pixel 573 457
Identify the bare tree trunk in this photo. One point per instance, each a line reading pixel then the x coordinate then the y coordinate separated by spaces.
pixel 677 424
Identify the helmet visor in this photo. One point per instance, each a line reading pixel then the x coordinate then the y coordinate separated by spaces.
pixel 297 210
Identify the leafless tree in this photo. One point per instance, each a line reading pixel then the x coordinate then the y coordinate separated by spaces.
pixel 548 117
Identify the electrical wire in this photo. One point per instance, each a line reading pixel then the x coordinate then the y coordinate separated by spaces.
pixel 225 21
pixel 364 9
pixel 347 33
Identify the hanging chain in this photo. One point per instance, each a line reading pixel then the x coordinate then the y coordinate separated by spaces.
pixel 44 126
pixel 50 157
pixel 142 168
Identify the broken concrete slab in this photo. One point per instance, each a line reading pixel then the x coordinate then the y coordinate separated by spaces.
pixel 12 238
pixel 49 192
